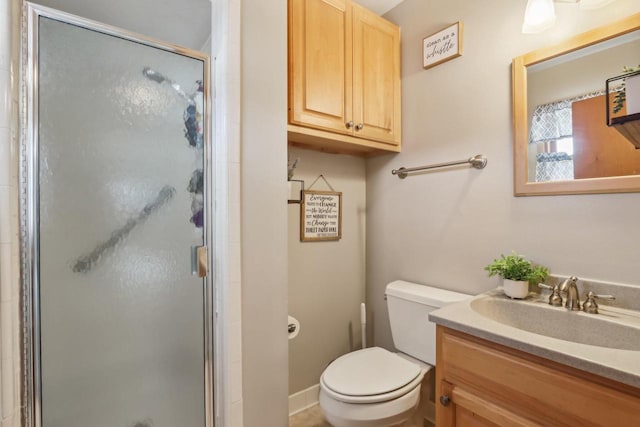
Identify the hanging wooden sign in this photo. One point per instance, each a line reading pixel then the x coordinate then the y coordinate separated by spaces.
pixel 320 216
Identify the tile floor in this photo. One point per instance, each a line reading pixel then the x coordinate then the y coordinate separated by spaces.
pixel 311 417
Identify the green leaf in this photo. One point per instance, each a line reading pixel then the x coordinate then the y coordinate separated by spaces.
pixel 516 267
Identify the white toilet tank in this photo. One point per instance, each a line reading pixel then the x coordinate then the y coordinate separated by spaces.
pixel 409 305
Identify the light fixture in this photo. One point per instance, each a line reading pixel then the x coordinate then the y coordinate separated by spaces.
pixel 538 16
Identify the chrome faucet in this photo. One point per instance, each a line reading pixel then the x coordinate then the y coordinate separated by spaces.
pixel 570 287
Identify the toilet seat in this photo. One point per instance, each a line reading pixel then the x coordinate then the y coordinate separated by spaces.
pixel 369 376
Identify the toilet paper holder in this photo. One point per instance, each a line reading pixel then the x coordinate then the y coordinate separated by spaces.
pixel 293 327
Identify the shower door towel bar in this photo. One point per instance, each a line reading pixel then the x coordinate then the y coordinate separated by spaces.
pixel 479 162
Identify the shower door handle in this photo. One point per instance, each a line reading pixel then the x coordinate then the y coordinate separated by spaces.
pixel 202 261
pixel 199 261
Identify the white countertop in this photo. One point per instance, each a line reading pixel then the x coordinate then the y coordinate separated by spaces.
pixel 616 364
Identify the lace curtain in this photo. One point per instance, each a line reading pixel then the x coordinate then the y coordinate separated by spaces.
pixel 554 167
pixel 553 121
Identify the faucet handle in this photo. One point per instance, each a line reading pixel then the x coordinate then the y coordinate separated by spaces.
pixel 555 299
pixel 590 306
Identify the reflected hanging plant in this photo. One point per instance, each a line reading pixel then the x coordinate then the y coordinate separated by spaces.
pixel 193 118
pixel 194 134
pixel 196 188
pixel 620 97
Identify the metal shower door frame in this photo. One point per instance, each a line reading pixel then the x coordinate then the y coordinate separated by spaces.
pixel 29 207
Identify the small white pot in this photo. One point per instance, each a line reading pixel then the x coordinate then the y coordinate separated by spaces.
pixel 633 94
pixel 516 288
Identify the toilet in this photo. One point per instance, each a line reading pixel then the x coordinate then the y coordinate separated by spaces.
pixel 374 387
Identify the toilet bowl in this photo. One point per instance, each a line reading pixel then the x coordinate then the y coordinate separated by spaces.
pixel 374 387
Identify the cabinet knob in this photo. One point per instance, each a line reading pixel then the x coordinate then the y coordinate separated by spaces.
pixel 349 125
pixel 359 126
pixel 445 400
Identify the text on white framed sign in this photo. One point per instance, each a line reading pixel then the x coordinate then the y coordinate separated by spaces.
pixel 320 216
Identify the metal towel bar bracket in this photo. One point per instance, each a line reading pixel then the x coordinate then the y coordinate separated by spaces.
pixel 479 162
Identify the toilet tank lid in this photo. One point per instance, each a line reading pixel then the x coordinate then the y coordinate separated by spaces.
pixel 427 295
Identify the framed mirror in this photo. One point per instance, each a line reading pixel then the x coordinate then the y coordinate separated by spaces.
pixel 564 142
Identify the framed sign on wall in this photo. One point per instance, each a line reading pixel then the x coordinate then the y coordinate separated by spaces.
pixel 442 46
pixel 320 216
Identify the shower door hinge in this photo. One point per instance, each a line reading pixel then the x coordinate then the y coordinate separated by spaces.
pixel 199 261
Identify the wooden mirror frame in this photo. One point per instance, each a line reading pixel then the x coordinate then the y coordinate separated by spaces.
pixel 522 186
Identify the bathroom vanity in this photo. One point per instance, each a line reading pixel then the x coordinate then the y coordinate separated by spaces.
pixel 491 371
pixel 480 383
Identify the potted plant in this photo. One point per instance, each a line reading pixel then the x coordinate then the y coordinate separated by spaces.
pixel 629 91
pixel 516 273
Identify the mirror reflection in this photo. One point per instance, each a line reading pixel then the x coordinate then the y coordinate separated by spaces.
pixel 568 136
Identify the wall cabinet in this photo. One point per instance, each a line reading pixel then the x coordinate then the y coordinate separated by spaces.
pixel 344 77
pixel 479 383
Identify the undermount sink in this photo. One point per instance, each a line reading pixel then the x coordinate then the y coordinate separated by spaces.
pixel 612 329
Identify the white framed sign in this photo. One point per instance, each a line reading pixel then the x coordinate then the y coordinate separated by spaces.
pixel 320 216
pixel 442 46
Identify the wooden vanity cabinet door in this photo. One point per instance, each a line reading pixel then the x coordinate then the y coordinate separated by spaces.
pixel 320 64
pixel 512 388
pixel 468 409
pixel 376 77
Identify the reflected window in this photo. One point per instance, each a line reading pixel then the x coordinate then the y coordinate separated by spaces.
pixel 565 145
pixel 552 134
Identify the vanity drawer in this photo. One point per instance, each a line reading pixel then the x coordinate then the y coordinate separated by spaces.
pixel 529 389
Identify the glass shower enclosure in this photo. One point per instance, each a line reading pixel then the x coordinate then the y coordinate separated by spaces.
pixel 118 305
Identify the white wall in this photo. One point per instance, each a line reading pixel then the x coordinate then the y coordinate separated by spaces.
pixel 326 279
pixel 579 76
pixel 264 214
pixel 183 22
pixel 225 35
pixel 442 228
pixel 9 262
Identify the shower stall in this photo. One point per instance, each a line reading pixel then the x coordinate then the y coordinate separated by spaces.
pixel 115 178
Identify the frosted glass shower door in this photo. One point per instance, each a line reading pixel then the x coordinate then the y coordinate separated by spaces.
pixel 121 173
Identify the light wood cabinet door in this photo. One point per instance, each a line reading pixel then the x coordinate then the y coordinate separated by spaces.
pixel 376 77
pixel 344 78
pixel 489 384
pixel 468 409
pixel 320 64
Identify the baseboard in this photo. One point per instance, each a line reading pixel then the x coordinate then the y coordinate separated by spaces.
pixel 303 399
